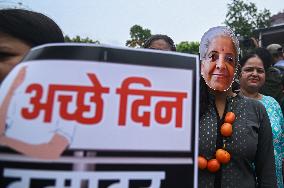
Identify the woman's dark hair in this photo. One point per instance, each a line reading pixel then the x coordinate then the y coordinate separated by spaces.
pixel 203 98
pixel 247 56
pixel 31 27
pixel 262 53
pixel 166 38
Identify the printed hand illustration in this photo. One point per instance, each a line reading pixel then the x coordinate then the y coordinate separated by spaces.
pixel 5 104
pixel 3 139
pixel 19 78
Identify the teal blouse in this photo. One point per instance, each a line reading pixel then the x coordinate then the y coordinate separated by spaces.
pixel 277 124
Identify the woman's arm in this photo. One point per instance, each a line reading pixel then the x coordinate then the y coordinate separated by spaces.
pixel 265 161
pixel 51 150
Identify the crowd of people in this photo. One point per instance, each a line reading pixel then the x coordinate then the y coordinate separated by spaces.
pixel 241 130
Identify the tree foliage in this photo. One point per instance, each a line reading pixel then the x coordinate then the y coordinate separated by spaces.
pixel 78 39
pixel 188 47
pixel 138 36
pixel 244 18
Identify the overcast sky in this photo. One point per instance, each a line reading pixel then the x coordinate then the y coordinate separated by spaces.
pixel 109 21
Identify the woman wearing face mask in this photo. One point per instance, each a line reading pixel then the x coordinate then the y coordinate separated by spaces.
pixel 235 138
pixel 252 78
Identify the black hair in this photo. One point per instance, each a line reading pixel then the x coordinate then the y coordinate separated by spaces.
pixel 166 38
pixel 31 27
pixel 262 53
pixel 204 97
pixel 247 56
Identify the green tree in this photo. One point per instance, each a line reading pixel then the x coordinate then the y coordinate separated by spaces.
pixel 244 18
pixel 138 36
pixel 80 40
pixel 188 47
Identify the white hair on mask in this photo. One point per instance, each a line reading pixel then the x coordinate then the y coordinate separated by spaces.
pixel 214 32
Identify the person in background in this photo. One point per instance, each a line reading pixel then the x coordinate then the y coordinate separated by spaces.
pixel 160 42
pixel 274 82
pixel 277 53
pixel 21 30
pixel 252 78
pixel 235 137
pixel 276 50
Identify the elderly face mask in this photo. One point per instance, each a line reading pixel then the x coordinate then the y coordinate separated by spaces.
pixel 219 65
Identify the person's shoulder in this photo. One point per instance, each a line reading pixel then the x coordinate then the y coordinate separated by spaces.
pixel 280 65
pixel 256 104
pixel 273 69
pixel 274 75
pixel 269 98
pixel 271 102
pixel 254 109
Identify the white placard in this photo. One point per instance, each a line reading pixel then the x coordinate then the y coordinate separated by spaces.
pixel 105 106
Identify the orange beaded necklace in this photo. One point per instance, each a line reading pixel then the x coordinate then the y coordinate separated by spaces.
pixel 221 155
